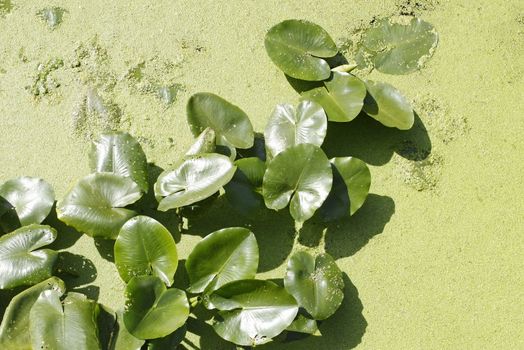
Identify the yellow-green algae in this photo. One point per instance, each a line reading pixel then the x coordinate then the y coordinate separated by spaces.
pixel 430 267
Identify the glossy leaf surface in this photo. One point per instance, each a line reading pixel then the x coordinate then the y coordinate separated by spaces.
pixel 252 311
pixel 300 176
pixel 316 283
pixel 21 263
pixel 289 127
pixel 221 257
pixel 299 47
pixel 121 154
pixel 32 198
pixel 205 143
pixel 302 324
pixel 229 122
pixel 194 179
pixel 143 247
pixel 153 311
pixel 96 204
pixel 122 339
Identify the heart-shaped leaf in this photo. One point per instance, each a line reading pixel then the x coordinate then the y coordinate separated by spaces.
pixel 119 153
pixel 194 179
pixel 143 247
pixel 32 198
pixel 316 283
pixel 342 97
pixel 252 311
pixel 121 338
pixel 243 191
pixel 14 330
pixel 205 143
pixel 153 311
pixel 289 127
pixel 398 46
pixel 300 175
pixel 95 205
pixel 221 257
pixel 229 122
pixel 298 47
pixel 21 264
pixel 387 105
pixel 64 325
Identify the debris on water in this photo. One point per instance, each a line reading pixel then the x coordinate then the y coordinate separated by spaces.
pixel 168 94
pixel 415 7
pixel 421 175
pixel 91 62
pixel 44 82
pixel 52 16
pixel 6 6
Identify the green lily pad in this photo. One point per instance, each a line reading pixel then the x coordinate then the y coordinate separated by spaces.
pixel 303 324
pixel 194 179
pixel 388 106
pixel 14 330
pixel 121 154
pixel 316 283
pixel 300 176
pixel 95 205
pixel 205 143
pixel 299 47
pixel 252 311
pixel 342 96
pixel 121 338
pixel 64 324
pixel 289 127
pixel 143 247
pixel 21 264
pixel 32 198
pixel 221 257
pixel 230 123
pixel 398 46
pixel 243 191
pixel 153 311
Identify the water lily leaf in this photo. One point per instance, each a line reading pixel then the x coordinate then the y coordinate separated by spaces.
pixel 205 143
pixel 95 205
pixel 300 176
pixel 298 47
pixel 143 247
pixel 252 311
pixel 8 217
pixel 153 311
pixel 122 339
pixel 32 198
pixel 342 97
pixel 14 330
pixel 229 122
pixel 21 264
pixel 221 257
pixel 121 154
pixel 289 127
pixel 303 324
pixel 169 342
pixel 194 179
pixel 64 325
pixel 243 191
pixel 387 105
pixel 351 182
pixel 316 283
pixel 399 46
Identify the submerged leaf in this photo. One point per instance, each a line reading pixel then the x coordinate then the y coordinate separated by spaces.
pixel 299 47
pixel 95 205
pixel 143 247
pixel 53 16
pixel 21 264
pixel 32 198
pixel 221 257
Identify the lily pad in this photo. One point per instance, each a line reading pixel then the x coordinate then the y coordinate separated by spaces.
pixel 299 49
pixel 316 283
pixel 194 179
pixel 252 311
pixel 32 198
pixel 205 143
pixel 398 46
pixel 388 106
pixel 342 97
pixel 289 127
pixel 119 153
pixel 221 257
pixel 64 324
pixel 143 247
pixel 95 205
pixel 14 330
pixel 244 190
pixel 21 264
pixel 122 339
pixel 300 176
pixel 230 123
pixel 153 311
pixel 303 324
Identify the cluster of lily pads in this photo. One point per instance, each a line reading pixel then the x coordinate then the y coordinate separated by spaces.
pixel 285 167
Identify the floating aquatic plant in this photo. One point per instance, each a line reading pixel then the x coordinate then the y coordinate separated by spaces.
pixel 52 16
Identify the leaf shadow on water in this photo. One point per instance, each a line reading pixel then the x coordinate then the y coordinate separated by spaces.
pixel 66 235
pixel 77 272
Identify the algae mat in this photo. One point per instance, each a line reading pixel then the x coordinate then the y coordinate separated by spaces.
pixel 434 259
